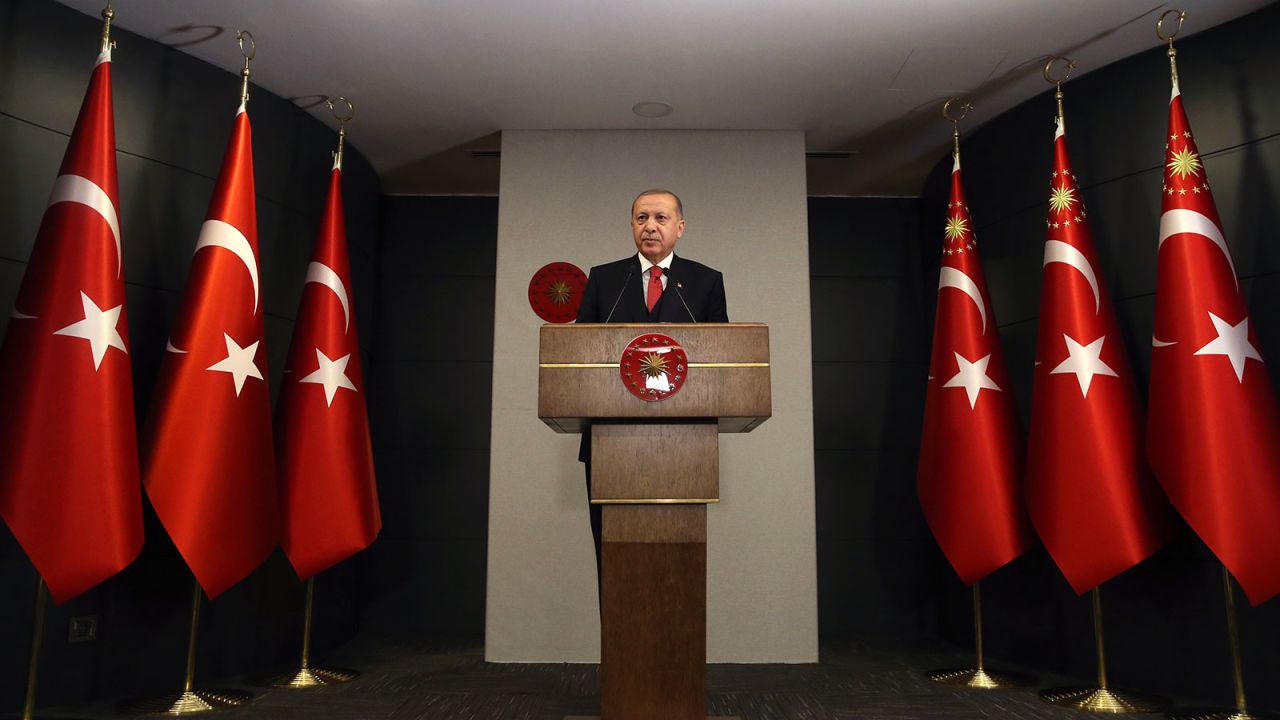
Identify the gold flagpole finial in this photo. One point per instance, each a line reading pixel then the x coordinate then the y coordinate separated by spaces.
pixel 343 118
pixel 1068 66
pixel 965 106
pixel 249 54
pixel 107 14
pixel 1160 33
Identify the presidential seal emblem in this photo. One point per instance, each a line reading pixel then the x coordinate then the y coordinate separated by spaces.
pixel 654 367
pixel 555 291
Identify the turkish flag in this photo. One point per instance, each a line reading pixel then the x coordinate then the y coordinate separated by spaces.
pixel 68 437
pixel 969 477
pixel 1090 493
pixel 1213 431
pixel 328 494
pixel 208 462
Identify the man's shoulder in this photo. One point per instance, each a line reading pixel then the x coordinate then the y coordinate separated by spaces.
pixel 617 266
pixel 615 269
pixel 685 265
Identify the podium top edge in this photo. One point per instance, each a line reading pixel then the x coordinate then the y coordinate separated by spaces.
pixel 656 325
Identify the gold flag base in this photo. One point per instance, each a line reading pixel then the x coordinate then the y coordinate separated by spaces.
pixel 978 678
pixel 1211 714
pixel 187 702
pixel 1103 700
pixel 309 677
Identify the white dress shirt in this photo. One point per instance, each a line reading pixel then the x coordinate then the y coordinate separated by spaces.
pixel 664 263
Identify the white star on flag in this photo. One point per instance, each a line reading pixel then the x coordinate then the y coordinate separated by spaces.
pixel 1084 361
pixel 332 374
pixel 98 327
pixel 972 377
pixel 238 362
pixel 1232 341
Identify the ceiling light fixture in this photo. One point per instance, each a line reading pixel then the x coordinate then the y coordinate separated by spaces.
pixel 651 109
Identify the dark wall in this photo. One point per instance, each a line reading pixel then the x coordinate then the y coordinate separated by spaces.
pixel 870 357
pixel 173 118
pixel 1165 618
pixel 431 375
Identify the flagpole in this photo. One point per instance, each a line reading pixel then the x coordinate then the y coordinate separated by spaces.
pixel 190 701
pixel 306 676
pixel 1241 711
pixel 1101 698
pixel 1233 634
pixel 37 636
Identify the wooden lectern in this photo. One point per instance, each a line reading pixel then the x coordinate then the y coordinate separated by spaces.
pixel 655 467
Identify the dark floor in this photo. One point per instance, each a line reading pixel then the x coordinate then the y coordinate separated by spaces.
pixel 450 679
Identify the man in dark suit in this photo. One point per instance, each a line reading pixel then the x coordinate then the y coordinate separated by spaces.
pixel 623 291
pixel 652 286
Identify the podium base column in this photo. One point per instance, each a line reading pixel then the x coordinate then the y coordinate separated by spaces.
pixel 653 632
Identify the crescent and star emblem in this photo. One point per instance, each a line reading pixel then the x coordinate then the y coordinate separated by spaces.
pixel 952 278
pixel 329 373
pixel 1056 251
pixel 332 374
pixel 1181 221
pixel 1233 342
pixel 240 360
pixel 972 376
pixel 324 275
pixel 219 234
pixel 99 326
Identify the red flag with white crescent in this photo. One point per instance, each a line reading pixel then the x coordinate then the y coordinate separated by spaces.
pixel 329 499
pixel 1213 430
pixel 970 472
pixel 1090 494
pixel 68 436
pixel 208 462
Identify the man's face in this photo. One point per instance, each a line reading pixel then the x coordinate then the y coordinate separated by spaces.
pixel 656 225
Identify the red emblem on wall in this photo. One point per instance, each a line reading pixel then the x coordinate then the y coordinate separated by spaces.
pixel 654 367
pixel 555 291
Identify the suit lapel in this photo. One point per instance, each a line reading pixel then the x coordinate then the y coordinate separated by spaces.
pixel 633 295
pixel 672 309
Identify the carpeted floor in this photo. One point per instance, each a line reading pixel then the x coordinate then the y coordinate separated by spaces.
pixel 449 679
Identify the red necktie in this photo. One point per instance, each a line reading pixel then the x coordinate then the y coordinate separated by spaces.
pixel 655 286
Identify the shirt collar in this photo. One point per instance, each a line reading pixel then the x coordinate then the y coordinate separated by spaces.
pixel 664 263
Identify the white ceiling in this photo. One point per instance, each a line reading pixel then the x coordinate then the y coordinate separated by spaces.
pixel 433 80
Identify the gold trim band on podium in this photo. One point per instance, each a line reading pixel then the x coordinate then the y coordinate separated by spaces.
pixel 654 501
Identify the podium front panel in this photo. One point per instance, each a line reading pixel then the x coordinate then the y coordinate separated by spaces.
pixel 728 377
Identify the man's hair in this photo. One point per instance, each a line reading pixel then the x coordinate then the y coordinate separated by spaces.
pixel 659 191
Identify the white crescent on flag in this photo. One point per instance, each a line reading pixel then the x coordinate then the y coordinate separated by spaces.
pixel 77 189
pixel 1056 251
pixel 216 233
pixel 953 278
pixel 324 275
pixel 1181 220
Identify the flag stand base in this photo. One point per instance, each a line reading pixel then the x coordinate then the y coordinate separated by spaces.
pixel 309 677
pixel 978 678
pixel 190 700
pixel 186 702
pixel 1103 700
pixel 1241 711
pixel 306 676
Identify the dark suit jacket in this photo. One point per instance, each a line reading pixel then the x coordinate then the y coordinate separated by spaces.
pixel 701 287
